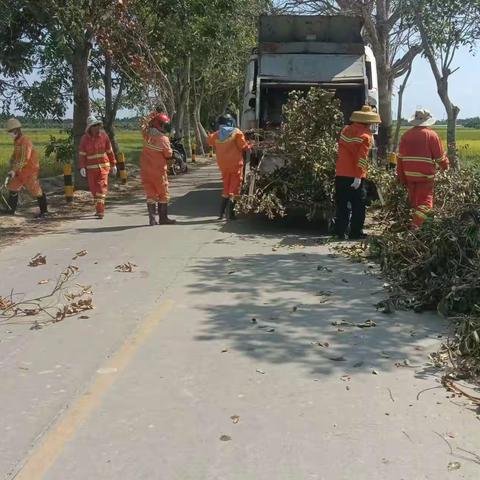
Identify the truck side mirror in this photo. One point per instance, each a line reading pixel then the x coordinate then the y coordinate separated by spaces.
pixel 252 103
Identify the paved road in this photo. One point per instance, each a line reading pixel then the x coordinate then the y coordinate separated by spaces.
pixel 170 377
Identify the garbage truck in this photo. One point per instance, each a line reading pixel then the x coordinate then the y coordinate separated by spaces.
pixel 297 52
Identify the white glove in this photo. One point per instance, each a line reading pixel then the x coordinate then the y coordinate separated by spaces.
pixel 356 183
pixel 83 172
pixel 113 170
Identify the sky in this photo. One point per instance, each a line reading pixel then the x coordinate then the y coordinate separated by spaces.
pixel 464 88
pixel 421 89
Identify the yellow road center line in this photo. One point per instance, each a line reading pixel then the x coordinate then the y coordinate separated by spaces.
pixel 52 444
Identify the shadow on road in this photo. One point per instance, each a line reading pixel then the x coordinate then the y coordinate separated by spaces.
pixel 310 309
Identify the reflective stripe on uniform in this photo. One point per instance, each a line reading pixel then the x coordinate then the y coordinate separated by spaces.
pixel 417 174
pixel 98 165
pixel 153 147
pixel 351 139
pixel 82 153
pixel 96 155
pixel 363 163
pixel 417 159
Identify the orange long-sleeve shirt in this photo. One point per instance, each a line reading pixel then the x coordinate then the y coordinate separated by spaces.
pixel 24 156
pixel 229 151
pixel 156 151
pixel 96 151
pixel 420 152
pixel 353 148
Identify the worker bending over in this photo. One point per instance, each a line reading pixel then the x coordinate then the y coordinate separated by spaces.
pixel 24 169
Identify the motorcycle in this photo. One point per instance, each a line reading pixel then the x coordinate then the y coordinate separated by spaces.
pixel 178 163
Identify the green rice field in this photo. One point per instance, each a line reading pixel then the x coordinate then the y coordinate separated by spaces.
pixel 131 143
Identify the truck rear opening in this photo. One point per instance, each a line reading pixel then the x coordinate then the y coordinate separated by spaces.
pixel 297 52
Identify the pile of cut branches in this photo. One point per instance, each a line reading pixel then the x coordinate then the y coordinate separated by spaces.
pixel 438 266
pixel 307 141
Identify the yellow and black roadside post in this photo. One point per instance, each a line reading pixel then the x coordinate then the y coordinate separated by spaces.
pixel 392 161
pixel 122 168
pixel 68 183
pixel 194 152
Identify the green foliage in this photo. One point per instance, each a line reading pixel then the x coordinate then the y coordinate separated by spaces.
pixel 61 147
pixel 308 141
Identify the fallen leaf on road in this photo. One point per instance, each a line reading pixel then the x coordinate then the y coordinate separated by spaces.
pixel 225 350
pixel 358 364
pixel 451 435
pixel 374 372
pixel 345 378
pixel 340 330
pixel 344 280
pixel 453 466
pixel 81 253
pixel 37 260
pixel 260 371
pixel 231 272
pixel 235 418
pixel 325 269
pixel 295 309
pixel 367 324
pixel 36 326
pixel 321 344
pixel 84 317
pixel 125 267
pixel 338 323
pixel 43 282
pixel 347 387
pixel 254 320
pixel 337 359
pixel 384 354
pixel 270 330
pixel 225 438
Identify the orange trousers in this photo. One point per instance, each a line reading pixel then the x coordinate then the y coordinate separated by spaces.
pixel 28 179
pixel 232 183
pixel 98 185
pixel 155 185
pixel 420 196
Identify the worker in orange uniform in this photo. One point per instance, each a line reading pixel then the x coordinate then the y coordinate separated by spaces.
pixel 354 146
pixel 420 153
pixel 97 160
pixel 24 169
pixel 153 167
pixel 229 143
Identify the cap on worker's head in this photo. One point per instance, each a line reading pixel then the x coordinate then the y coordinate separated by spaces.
pixel 12 124
pixel 226 120
pixel 422 118
pixel 365 115
pixel 91 122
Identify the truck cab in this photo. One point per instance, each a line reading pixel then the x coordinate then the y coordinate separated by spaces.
pixel 296 52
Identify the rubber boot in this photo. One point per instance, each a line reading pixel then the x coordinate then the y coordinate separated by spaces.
pixel 163 215
pixel 100 210
pixel 12 202
pixel 151 214
pixel 42 204
pixel 223 207
pixel 231 209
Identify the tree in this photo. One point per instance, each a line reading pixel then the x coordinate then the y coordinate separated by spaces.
pixel 444 26
pixel 392 41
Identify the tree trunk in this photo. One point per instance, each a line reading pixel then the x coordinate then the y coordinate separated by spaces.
pixel 385 90
pixel 401 91
pixel 81 99
pixel 111 105
pixel 452 115
pixel 182 98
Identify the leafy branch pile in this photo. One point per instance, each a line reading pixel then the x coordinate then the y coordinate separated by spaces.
pixel 307 141
pixel 438 266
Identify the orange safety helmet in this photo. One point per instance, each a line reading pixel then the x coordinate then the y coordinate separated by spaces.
pixel 160 121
